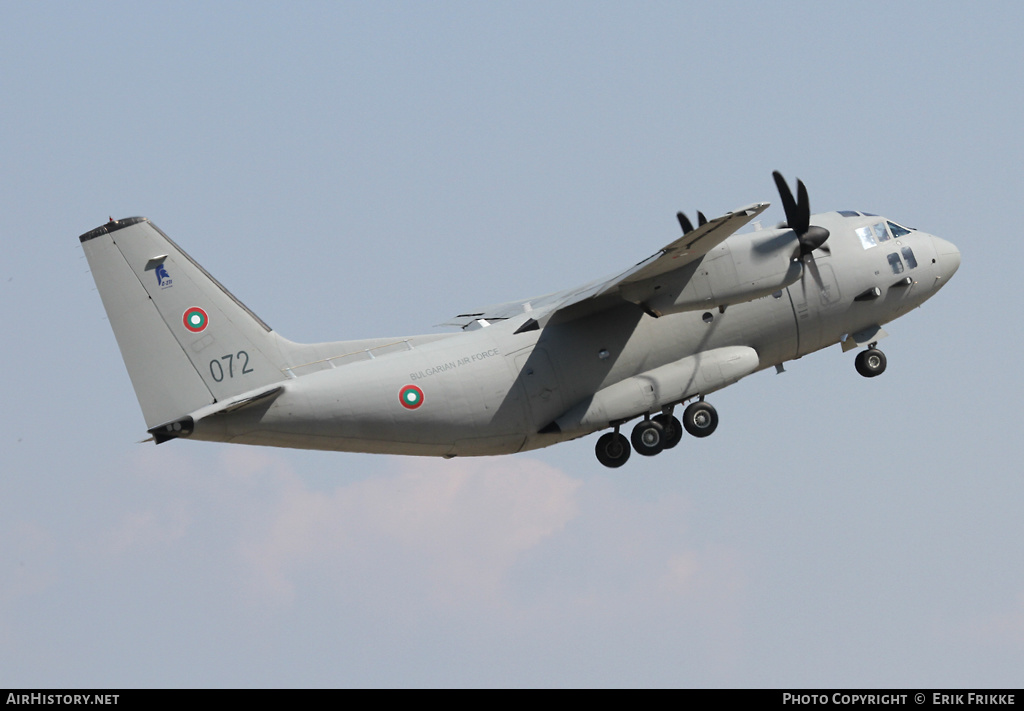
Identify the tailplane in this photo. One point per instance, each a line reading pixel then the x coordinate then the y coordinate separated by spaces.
pixel 186 340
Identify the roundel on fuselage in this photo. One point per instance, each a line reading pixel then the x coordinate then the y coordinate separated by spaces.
pixel 411 397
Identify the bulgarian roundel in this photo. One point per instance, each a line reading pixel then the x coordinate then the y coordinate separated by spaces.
pixel 195 320
pixel 411 397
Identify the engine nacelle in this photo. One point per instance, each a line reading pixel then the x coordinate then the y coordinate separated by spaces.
pixel 741 269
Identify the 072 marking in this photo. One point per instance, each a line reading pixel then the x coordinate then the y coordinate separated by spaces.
pixel 217 368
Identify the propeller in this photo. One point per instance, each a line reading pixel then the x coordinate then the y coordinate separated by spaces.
pixel 798 218
pixel 685 223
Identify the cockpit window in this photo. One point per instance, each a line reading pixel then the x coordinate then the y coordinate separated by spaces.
pixel 849 213
pixel 867 237
pixel 898 231
pixel 896 263
pixel 873 235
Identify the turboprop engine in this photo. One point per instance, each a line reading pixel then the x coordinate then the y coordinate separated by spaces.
pixel 741 269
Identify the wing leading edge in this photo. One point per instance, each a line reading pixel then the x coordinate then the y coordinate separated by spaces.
pixel 637 280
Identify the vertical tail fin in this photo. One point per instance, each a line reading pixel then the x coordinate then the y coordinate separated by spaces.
pixel 185 339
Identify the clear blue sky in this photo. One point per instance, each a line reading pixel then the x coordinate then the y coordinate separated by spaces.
pixel 371 169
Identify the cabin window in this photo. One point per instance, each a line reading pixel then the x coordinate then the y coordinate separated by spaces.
pixel 896 263
pixel 908 254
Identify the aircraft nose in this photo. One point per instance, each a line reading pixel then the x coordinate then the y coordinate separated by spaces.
pixel 948 256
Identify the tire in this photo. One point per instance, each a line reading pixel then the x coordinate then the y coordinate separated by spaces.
pixel 648 438
pixel 870 363
pixel 612 449
pixel 673 429
pixel 700 419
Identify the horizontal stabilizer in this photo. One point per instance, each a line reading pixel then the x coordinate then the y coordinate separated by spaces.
pixel 184 426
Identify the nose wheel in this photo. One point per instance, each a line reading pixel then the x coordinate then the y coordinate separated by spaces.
pixel 870 363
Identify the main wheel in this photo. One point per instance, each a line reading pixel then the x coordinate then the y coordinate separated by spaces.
pixel 612 449
pixel 870 362
pixel 700 419
pixel 673 430
pixel 648 438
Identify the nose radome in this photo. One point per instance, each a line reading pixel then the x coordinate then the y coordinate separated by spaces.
pixel 948 256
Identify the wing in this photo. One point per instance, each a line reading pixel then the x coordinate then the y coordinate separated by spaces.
pixel 689 248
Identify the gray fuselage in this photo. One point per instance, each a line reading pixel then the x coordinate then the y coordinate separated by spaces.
pixel 491 390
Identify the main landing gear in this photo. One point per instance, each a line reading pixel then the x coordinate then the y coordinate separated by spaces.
pixel 700 419
pixel 613 449
pixel 653 435
pixel 870 362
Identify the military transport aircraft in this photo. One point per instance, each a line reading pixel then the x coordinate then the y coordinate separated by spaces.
pixel 705 311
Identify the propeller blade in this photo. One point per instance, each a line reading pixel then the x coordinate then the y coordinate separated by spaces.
pixel 811 266
pixel 685 223
pixel 788 204
pixel 803 209
pixel 701 220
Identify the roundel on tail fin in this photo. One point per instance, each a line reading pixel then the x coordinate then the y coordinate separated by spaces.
pixel 195 319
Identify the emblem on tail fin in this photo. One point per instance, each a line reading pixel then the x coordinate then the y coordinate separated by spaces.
pixel 163 279
pixel 195 320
